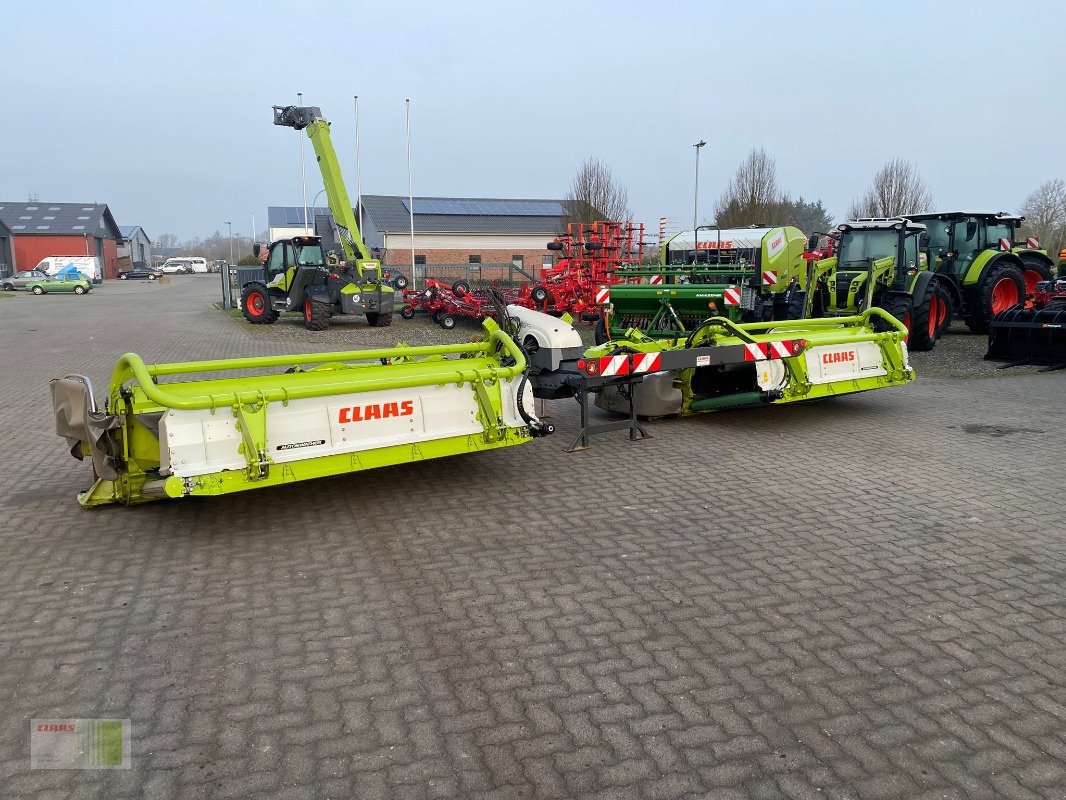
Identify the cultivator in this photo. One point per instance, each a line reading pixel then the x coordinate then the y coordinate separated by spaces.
pixel 325 414
pixel 1032 332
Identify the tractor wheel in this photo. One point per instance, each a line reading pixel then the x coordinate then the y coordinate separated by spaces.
pixel 798 304
pixel 372 318
pixel 79 290
pixel 255 305
pixel 316 314
pixel 1032 273
pixel 447 321
pixel 407 312
pixel 900 307
pixel 1003 287
pixel 383 320
pixel 460 288
pixel 400 282
pixel 600 332
pixel 539 295
pixel 930 317
pixel 38 290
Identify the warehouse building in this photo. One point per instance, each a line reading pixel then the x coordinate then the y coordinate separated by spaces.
pixel 134 248
pixel 7 252
pixel 42 229
pixel 447 230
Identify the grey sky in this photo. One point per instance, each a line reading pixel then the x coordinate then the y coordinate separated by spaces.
pixel 162 109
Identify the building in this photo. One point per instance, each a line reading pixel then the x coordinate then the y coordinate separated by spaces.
pixel 447 230
pixel 134 247
pixel 42 229
pixel 7 252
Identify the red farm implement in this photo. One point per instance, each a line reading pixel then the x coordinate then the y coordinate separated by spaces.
pixel 1033 332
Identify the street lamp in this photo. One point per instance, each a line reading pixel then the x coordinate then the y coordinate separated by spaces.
pixel 314 205
pixel 696 199
pixel 230 241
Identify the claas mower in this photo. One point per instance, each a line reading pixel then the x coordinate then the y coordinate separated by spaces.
pixel 880 263
pixel 216 427
pixel 744 275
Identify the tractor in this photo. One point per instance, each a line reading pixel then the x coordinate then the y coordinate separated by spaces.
pixel 299 277
pixel 977 258
pixel 884 263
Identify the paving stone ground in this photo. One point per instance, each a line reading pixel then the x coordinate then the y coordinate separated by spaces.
pixel 859 598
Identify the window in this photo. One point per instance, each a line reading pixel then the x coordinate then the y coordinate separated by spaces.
pixel 518 260
pixel 420 258
pixel 475 259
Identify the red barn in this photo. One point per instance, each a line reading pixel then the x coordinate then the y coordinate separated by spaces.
pixel 43 229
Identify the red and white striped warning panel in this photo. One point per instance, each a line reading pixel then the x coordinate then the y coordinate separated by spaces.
pixel 613 366
pixel 655 280
pixel 762 351
pixel 1004 244
pixel 731 296
pixel 603 296
pixel 769 277
pixel 1032 243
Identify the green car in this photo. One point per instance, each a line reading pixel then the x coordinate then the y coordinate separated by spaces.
pixel 60 283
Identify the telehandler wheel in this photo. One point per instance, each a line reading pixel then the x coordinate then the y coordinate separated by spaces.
pixel 447 321
pixel 407 312
pixel 316 315
pixel 1003 287
pixel 930 317
pixel 383 320
pixel 371 318
pixel 255 305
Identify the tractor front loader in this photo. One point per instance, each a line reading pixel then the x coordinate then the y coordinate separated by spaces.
pixel 880 263
pixel 298 276
pixel 316 415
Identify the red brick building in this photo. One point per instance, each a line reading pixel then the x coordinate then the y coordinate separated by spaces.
pixel 41 229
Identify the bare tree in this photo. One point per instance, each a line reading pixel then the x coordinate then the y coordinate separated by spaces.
pixel 752 196
pixel 595 194
pixel 897 189
pixel 1045 215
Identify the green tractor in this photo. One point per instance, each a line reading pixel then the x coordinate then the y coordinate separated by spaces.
pixel 744 275
pixel 299 277
pixel 882 263
pixel 979 261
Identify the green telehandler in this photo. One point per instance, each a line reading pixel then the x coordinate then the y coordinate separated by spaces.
pixel 879 263
pixel 979 261
pixel 298 275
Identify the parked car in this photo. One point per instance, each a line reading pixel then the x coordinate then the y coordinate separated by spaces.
pixel 141 272
pixel 175 266
pixel 60 283
pixel 89 266
pixel 218 265
pixel 20 279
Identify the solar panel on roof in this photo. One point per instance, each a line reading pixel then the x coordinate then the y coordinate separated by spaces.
pixel 485 208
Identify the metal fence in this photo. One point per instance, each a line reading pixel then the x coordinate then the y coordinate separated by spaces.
pixel 474 274
pixel 233 279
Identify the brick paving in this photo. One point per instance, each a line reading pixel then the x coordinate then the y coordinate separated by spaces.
pixel 860 598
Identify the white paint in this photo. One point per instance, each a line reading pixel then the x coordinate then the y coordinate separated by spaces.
pixel 839 362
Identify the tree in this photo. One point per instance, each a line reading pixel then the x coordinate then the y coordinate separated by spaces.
pixel 752 196
pixel 165 241
pixel 1045 215
pixel 807 215
pixel 897 189
pixel 595 194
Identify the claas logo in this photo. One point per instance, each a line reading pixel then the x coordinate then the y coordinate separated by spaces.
pixel 371 411
pixel 839 357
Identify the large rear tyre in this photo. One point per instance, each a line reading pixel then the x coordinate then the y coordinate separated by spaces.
pixel 383 320
pixel 1003 287
pixel 316 314
pixel 900 307
pixel 930 317
pixel 1033 272
pixel 255 305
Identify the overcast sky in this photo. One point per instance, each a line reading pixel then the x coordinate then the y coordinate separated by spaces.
pixel 162 109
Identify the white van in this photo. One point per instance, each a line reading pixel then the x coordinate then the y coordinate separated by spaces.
pixel 198 265
pixel 184 264
pixel 89 266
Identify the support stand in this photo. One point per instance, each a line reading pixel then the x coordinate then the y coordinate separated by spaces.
pixel 636 430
